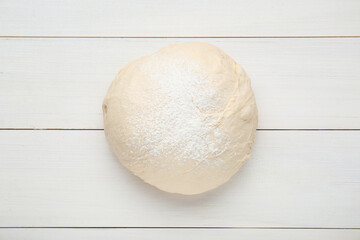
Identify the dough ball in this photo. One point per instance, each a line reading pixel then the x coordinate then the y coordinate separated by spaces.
pixel 182 119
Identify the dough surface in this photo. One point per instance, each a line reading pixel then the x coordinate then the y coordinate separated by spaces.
pixel 182 119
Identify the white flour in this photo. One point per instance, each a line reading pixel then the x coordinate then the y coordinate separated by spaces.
pixel 176 127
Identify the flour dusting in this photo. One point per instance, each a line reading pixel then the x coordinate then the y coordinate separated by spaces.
pixel 173 124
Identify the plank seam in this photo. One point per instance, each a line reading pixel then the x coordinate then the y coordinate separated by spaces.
pixel 101 129
pixel 145 37
pixel 276 228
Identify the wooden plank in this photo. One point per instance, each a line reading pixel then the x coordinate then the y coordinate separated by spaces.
pixel 70 178
pixel 298 83
pixel 165 234
pixel 180 18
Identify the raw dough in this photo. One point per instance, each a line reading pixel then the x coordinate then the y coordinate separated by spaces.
pixel 182 119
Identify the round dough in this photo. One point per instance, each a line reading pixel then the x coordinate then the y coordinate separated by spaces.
pixel 182 119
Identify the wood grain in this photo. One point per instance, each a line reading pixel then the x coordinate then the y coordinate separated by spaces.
pixel 180 18
pixel 57 59
pixel 70 178
pixel 298 83
pixel 179 234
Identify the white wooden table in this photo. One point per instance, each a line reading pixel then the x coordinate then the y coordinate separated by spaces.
pixel 59 179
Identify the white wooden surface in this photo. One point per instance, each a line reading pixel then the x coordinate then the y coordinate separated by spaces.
pixel 298 83
pixel 179 234
pixel 57 59
pixel 180 18
pixel 70 178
